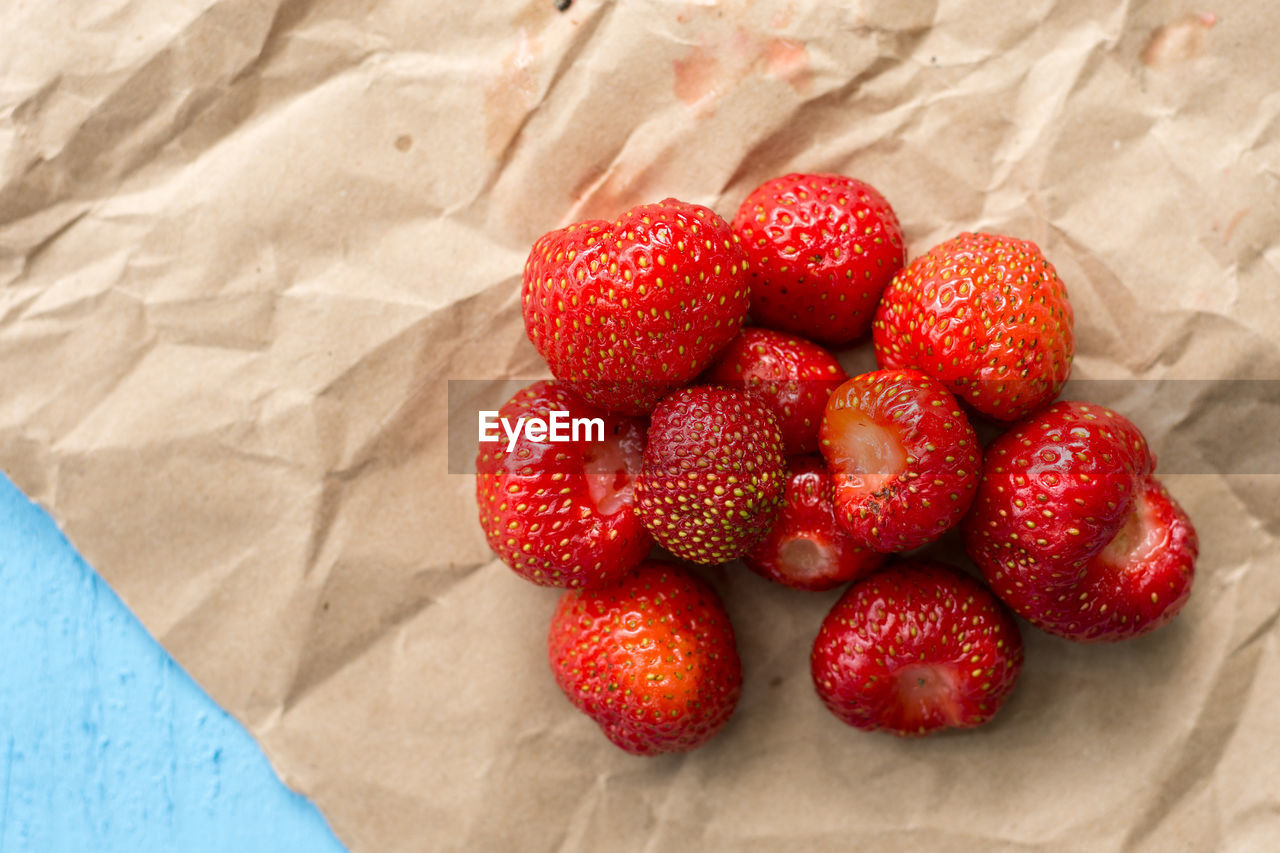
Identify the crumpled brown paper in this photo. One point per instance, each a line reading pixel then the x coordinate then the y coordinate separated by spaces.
pixel 245 243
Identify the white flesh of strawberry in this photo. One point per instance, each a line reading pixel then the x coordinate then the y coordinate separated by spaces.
pixel 864 453
pixel 611 467
pixel 927 691
pixel 1138 539
pixel 803 558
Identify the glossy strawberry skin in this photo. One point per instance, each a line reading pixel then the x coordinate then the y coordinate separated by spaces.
pixel 988 316
pixel 794 376
pixel 821 249
pixel 807 548
pixel 1057 490
pixel 536 503
pixel 652 659
pixel 1116 598
pixel 914 648
pixel 626 311
pixel 896 505
pixel 713 473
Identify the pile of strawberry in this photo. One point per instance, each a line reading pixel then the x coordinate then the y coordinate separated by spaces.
pixel 723 442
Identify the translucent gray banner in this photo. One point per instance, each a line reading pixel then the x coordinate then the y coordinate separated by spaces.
pixel 1195 426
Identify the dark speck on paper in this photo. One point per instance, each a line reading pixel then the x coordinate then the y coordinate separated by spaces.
pixel 563 5
pixel 404 142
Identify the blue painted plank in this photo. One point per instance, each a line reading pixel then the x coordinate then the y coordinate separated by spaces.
pixel 105 743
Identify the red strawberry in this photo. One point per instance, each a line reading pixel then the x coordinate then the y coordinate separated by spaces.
pixel 624 312
pixel 1055 490
pixel 988 316
pixel 821 249
pixel 561 513
pixel 1074 533
pixel 1139 581
pixel 652 659
pixel 807 548
pixel 915 648
pixel 793 376
pixel 904 459
pixel 713 473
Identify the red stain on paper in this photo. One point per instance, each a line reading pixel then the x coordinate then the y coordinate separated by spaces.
pixel 511 93
pixel 788 59
pixel 1179 41
pixel 695 77
pixel 607 194
pixel 1231 225
pixel 717 65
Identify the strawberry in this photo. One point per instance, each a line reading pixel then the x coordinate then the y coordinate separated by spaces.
pixel 1143 576
pixel 904 458
pixel 915 648
pixel 626 311
pixel 793 376
pixel 821 248
pixel 985 314
pixel 1071 529
pixel 807 548
pixel 713 473
pixel 652 659
pixel 562 513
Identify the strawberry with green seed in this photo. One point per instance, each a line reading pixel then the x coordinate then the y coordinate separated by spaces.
pixel 916 648
pixel 985 314
pixel 903 457
pixel 563 513
pixel 651 659
pixel 713 473
pixel 821 249
pixel 626 311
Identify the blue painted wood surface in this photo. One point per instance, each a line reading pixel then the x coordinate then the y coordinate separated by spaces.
pixel 105 743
